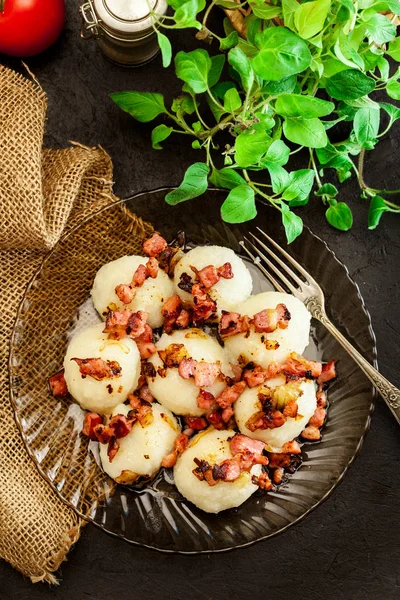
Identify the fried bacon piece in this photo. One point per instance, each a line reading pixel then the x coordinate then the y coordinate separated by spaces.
pixel 311 433
pixel 263 481
pixel 126 323
pixel 196 423
pixel 127 291
pixel 269 419
pixel 141 410
pixel 227 414
pixel 103 433
pixel 210 275
pixel 204 307
pixel 297 366
pixel 230 394
pixel 98 368
pixel 232 323
pixel 154 245
pixel 255 376
pixel 180 445
pixel 113 447
pixel 215 419
pixel 171 311
pixel 321 398
pixel 328 372
pixel 291 447
pixel 245 453
pixel 145 343
pixel 270 319
pixel 145 394
pixel 184 319
pixel 205 400
pixel 58 385
pixel 204 373
pixel 318 418
pixel 291 409
pixel 121 425
pixel 90 421
pixel 277 476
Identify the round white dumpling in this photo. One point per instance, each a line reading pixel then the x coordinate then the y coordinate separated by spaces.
pixel 212 446
pixel 141 452
pixel 252 347
pixel 176 393
pixel 149 297
pixel 101 395
pixel 248 404
pixel 226 292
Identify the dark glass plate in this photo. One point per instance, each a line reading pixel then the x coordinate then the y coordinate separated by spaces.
pixel 56 305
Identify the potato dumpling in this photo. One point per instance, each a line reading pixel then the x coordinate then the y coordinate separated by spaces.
pixel 101 395
pixel 248 347
pixel 169 388
pixel 248 404
pixel 212 446
pixel 226 292
pixel 149 297
pixel 140 453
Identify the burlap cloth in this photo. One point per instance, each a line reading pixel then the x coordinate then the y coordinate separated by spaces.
pixel 43 193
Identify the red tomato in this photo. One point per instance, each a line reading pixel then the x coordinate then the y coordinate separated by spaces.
pixel 27 27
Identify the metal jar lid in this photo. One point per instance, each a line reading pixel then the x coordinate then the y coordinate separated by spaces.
pixel 122 19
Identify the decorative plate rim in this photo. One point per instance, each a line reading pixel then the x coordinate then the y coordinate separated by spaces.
pixel 87 518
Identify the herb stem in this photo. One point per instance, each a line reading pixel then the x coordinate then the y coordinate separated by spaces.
pixel 207 13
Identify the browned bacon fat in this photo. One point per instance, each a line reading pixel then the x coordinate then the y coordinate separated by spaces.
pixel 328 372
pixel 210 275
pixel 297 366
pixel 232 323
pixel 174 314
pixel 230 394
pixel 145 343
pixel 204 307
pixel 196 423
pixel 58 385
pixel 205 400
pixel 98 368
pixel 154 245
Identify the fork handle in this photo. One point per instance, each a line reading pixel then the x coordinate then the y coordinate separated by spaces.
pixel 388 391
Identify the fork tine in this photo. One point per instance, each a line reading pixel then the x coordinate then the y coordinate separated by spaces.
pixel 267 274
pixel 284 266
pixel 273 268
pixel 290 258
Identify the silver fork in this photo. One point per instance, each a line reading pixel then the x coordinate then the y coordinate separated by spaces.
pixel 310 293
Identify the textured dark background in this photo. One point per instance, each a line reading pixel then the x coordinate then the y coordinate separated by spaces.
pixel 348 548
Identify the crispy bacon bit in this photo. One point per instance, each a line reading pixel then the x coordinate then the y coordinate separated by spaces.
pixel 207 276
pixel 240 443
pixel 311 433
pixel 269 419
pixel 127 477
pixel 278 460
pixel 227 414
pixel 141 410
pixel 90 421
pixel 232 323
pixel 297 366
pixel 171 311
pixel 180 445
pixel 154 245
pixel 205 400
pixel 245 454
pixel 328 372
pixel 278 475
pixel 152 267
pixel 230 394
pixel 237 373
pixel 98 368
pixel 256 376
pixel 291 409
pixel 103 433
pixel 318 417
pixel 215 419
pixel 120 324
pixel 113 447
pixel 196 423
pixel 225 271
pixel 149 370
pixel 173 355
pixel 145 394
pixel 204 306
pixel 321 398
pixel 125 292
pixel 184 319
pixel 186 367
pixel 205 373
pixel 145 343
pixel 270 319
pixel 185 283
pixel 291 447
pixel 58 385
pixel 120 425
pixel 263 481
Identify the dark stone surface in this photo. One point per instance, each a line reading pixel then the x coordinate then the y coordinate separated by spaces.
pixel 348 548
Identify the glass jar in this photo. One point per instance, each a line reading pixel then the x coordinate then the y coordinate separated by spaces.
pixel 123 28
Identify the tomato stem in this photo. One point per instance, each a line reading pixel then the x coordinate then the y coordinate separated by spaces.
pixel 2 2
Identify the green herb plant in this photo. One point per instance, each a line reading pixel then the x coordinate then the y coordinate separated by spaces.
pixel 304 68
